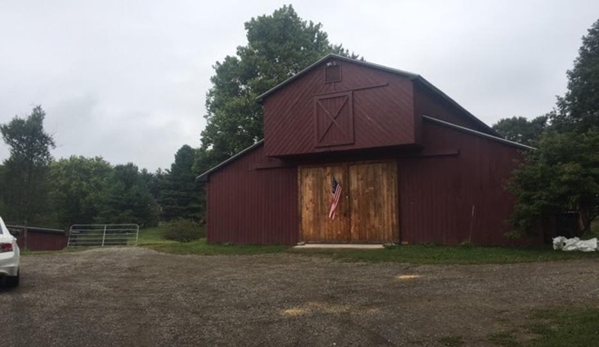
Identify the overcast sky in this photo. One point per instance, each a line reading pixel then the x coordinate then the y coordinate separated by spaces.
pixel 126 80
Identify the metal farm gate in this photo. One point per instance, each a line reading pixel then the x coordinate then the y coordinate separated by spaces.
pixel 100 235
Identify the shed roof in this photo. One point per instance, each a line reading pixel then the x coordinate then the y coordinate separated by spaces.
pixel 477 133
pixel 204 176
pixel 412 76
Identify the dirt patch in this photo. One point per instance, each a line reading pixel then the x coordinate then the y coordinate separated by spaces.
pixel 138 297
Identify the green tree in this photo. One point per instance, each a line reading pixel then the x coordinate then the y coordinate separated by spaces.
pixel 76 186
pixel 563 174
pixel 24 183
pixel 181 197
pixel 279 46
pixel 126 198
pixel 520 129
pixel 579 108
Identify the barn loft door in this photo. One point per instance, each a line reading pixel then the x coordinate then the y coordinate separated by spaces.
pixel 334 119
pixel 367 211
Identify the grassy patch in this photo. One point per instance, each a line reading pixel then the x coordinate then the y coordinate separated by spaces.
pixel 452 341
pixel 152 236
pixel 573 327
pixel 202 248
pixel 428 254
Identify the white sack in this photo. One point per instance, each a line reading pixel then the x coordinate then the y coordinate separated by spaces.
pixel 574 244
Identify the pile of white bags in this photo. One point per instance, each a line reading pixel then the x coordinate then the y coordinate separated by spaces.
pixel 574 244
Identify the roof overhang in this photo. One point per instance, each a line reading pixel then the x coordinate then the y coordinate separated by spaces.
pixel 478 133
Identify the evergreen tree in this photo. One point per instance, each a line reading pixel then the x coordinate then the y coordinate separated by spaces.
pixel 180 197
pixel 24 192
pixel 126 199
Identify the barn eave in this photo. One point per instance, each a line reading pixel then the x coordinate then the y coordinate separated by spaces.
pixel 204 176
pixel 478 133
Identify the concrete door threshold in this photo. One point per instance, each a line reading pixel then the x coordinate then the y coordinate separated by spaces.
pixel 337 246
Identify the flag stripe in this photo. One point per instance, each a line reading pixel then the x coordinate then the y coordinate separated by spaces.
pixel 335 199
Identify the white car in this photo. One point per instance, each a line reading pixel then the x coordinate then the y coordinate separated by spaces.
pixel 9 257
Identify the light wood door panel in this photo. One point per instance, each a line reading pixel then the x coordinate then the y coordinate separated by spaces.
pixel 315 202
pixel 373 195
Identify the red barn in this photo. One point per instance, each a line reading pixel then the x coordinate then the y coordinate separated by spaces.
pixel 412 164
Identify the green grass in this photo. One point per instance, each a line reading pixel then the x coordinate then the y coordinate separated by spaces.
pixel 571 326
pixel 202 248
pixel 152 238
pixel 421 254
pixel 415 254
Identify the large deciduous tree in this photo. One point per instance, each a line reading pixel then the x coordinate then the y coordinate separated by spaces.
pixel 24 190
pixel 279 46
pixel 563 173
pixel 76 187
pixel 520 129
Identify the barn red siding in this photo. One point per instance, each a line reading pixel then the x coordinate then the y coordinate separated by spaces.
pixel 382 107
pixel 42 241
pixel 253 200
pixel 437 194
pixel 429 104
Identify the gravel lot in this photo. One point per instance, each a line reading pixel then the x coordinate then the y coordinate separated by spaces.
pixel 138 297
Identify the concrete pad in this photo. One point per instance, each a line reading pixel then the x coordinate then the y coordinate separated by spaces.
pixel 337 246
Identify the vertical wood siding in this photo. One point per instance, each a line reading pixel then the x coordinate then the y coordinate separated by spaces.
pixel 451 199
pixel 382 112
pixel 252 201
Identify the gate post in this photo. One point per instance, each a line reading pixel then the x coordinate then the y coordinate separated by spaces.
pixel 104 235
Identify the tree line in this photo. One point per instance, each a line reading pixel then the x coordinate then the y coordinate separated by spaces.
pixel 39 190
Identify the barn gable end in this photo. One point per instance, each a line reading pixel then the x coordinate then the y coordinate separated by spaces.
pixel 339 105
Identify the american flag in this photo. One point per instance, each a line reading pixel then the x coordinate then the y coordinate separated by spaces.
pixel 335 196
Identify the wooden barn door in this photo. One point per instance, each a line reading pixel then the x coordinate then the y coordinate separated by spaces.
pixel 315 202
pixel 373 195
pixel 367 211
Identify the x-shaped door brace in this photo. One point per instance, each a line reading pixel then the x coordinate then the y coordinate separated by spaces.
pixel 333 118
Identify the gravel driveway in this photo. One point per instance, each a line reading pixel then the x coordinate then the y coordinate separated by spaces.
pixel 138 297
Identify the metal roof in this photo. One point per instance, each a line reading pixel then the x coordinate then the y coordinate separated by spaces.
pixel 477 133
pixel 204 176
pixel 410 75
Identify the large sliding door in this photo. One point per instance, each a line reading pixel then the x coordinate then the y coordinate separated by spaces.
pixel 367 209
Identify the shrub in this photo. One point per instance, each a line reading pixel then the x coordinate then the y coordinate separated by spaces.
pixel 183 230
